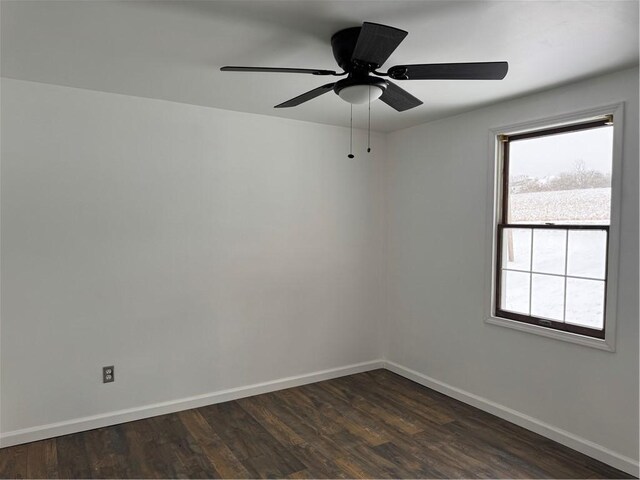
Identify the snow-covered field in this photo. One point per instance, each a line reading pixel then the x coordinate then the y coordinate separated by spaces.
pixel 535 261
pixel 590 205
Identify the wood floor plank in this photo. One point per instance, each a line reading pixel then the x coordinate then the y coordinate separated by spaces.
pixel 249 441
pixel 13 462
pixel 36 463
pixel 527 446
pixel 344 399
pixel 465 460
pixel 260 411
pixel 403 421
pixel 431 398
pixel 356 469
pixel 503 463
pixel 73 461
pixel 430 411
pixel 42 459
pixel 288 416
pixel 407 460
pixel 304 407
pixel 104 457
pixel 369 425
pixel 191 461
pixel 406 418
pixel 375 462
pixel 222 459
pixel 300 424
pixel 147 455
pixel 422 447
pixel 318 464
pixel 351 419
pixel 301 474
pixel 115 441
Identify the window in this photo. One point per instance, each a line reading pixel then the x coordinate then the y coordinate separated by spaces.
pixel 553 226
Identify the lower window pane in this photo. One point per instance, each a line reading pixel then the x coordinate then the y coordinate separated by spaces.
pixel 585 303
pixel 549 250
pixel 547 297
pixel 515 292
pixel 516 248
pixel 587 256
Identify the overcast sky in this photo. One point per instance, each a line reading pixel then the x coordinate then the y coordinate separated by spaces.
pixel 541 157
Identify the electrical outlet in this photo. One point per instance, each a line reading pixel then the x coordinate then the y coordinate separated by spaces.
pixel 108 374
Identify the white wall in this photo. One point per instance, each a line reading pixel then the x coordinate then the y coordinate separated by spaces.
pixel 438 187
pixel 196 249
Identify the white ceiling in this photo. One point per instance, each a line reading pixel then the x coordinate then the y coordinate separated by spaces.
pixel 173 50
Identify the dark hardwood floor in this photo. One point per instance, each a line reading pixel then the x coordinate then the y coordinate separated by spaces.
pixel 373 425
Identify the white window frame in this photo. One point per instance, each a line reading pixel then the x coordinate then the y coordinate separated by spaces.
pixel 613 259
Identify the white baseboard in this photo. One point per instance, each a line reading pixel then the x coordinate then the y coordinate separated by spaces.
pixel 575 442
pixel 113 418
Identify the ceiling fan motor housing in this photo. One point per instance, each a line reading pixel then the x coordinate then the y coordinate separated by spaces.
pixel 343 43
pixel 359 86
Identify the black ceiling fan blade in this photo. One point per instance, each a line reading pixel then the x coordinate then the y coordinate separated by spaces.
pixel 311 71
pixel 398 98
pixel 376 43
pixel 450 71
pixel 305 97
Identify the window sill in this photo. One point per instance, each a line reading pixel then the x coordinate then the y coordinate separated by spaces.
pixel 601 344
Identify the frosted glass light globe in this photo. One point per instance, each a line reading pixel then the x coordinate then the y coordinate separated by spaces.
pixel 358 94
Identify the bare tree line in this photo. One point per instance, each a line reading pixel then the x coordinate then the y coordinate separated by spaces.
pixel 577 179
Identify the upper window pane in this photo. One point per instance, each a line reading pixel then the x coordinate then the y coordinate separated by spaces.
pixel 561 178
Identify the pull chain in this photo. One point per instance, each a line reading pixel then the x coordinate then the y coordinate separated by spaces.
pixel 351 135
pixel 369 129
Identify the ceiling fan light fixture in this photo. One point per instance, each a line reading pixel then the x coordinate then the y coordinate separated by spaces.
pixel 359 94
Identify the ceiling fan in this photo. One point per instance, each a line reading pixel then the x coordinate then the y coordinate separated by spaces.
pixel 360 51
